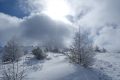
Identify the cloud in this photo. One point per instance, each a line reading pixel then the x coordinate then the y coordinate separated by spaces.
pixel 109 38
pixel 99 17
pixel 35 29
pixel 32 6
pixel 101 20
pixel 107 12
pixel 40 27
pixel 100 11
pixel 9 27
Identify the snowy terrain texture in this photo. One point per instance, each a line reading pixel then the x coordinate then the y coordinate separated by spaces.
pixel 58 67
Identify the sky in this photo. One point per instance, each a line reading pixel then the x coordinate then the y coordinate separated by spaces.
pixel 54 21
pixel 12 8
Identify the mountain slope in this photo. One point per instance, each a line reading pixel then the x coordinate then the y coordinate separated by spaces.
pixel 58 68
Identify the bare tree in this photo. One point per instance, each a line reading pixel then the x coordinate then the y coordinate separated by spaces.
pixel 13 72
pixel 82 50
pixel 12 53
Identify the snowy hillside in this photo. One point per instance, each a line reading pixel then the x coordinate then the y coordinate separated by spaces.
pixel 58 67
pixel 109 64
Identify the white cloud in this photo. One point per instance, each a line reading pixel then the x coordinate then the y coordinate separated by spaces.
pixel 102 13
pixel 39 27
pixel 9 27
pixel 7 21
pixel 99 14
pixel 109 38
pixel 35 28
pixel 32 6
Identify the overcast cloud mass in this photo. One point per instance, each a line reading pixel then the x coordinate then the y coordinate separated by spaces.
pixel 100 17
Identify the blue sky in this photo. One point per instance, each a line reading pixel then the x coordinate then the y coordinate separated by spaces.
pixel 12 8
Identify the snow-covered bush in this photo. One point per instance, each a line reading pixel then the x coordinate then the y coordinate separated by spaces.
pixel 38 53
pixel 97 49
pixel 11 51
pixel 82 50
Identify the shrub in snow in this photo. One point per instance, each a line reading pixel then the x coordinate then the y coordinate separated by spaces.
pixel 38 53
pixel 97 49
pixel 11 51
pixel 82 50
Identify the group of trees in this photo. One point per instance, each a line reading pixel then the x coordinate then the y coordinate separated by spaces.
pixel 11 54
pixel 81 52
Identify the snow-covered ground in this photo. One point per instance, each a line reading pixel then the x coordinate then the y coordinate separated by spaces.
pixel 109 64
pixel 58 67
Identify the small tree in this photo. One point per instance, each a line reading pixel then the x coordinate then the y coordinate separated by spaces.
pixel 11 51
pixel 38 53
pixel 82 50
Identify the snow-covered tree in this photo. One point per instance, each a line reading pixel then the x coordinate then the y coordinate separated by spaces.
pixel 11 51
pixel 11 54
pixel 82 49
pixel 38 53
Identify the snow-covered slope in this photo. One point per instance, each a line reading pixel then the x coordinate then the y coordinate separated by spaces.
pixel 109 63
pixel 59 68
